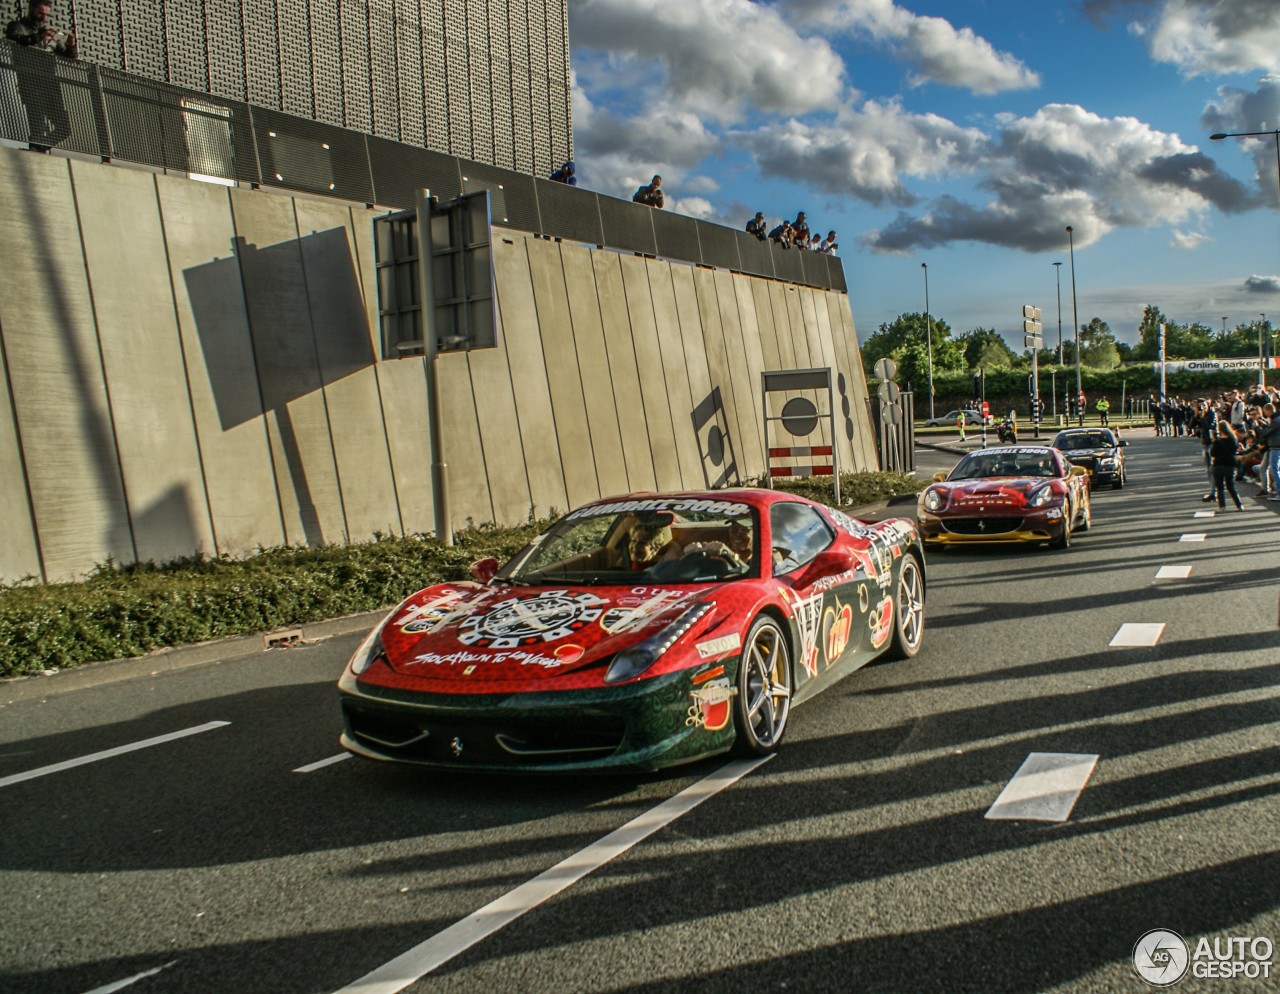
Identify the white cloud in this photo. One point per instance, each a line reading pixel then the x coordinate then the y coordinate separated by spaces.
pixel 718 58
pixel 866 153
pixel 1188 240
pixel 1220 36
pixel 936 50
pixel 1065 165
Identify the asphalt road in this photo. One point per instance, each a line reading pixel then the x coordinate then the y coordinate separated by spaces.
pixel 859 859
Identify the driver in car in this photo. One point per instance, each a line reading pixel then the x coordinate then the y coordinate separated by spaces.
pixel 649 541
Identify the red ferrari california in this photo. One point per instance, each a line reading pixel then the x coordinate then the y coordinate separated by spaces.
pixel 1015 493
pixel 637 632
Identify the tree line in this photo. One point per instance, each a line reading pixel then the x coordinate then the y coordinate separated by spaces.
pixel 907 340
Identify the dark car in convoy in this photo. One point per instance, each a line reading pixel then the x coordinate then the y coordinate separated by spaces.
pixel 1098 450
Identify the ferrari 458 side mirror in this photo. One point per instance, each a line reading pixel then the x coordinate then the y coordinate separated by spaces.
pixel 484 569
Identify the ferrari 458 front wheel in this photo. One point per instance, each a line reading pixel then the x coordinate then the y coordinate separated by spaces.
pixel 908 622
pixel 763 702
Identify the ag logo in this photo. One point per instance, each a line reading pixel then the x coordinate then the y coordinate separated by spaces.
pixel 1161 957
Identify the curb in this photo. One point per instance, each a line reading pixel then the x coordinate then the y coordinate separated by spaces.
pixel 25 688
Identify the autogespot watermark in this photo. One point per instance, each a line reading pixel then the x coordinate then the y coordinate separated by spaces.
pixel 1162 957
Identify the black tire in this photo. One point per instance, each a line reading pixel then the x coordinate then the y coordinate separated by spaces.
pixel 908 610
pixel 763 701
pixel 1118 482
pixel 1063 541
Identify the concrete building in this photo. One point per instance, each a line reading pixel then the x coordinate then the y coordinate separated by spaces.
pixel 189 366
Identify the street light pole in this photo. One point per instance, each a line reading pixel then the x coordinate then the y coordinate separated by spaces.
pixel 1254 134
pixel 1057 272
pixel 1075 318
pixel 929 328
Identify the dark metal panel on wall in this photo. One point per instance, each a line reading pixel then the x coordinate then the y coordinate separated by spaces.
pixel 499 83
pixel 261 53
pixel 357 108
pixel 181 25
pixel 294 40
pixel 400 171
pixel 787 265
pixel 143 42
pixel 435 92
pixel 558 91
pixel 511 195
pixel 457 73
pixel 836 268
pixel 408 28
pixel 98 32
pixel 755 255
pixel 382 68
pixel 719 246
pixel 814 266
pixel 521 90
pixel 677 235
pixel 627 225
pixel 569 212
pixel 539 91
pixel 326 61
pixel 224 41
pixel 307 155
pixel 479 75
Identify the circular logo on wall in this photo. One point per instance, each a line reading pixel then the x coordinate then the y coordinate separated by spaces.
pixel 1161 957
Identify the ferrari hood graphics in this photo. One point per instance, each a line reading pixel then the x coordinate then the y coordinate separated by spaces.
pixel 991 494
pixel 475 633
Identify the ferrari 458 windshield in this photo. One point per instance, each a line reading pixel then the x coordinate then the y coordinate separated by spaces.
pixel 628 542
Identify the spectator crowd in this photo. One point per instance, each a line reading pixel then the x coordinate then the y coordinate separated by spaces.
pixel 1239 431
pixel 792 234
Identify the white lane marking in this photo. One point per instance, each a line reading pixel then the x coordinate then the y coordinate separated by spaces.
pixel 1173 572
pixel 122 984
pixel 1045 788
pixel 118 751
pixel 323 763
pixel 1131 634
pixel 1179 465
pixel 1204 514
pixel 1193 537
pixel 410 966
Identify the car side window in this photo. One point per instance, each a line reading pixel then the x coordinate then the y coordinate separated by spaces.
pixel 799 534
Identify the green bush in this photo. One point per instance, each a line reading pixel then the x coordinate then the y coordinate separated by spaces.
pixel 120 611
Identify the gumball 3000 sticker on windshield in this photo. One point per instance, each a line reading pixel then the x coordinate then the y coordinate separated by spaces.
pixel 527 621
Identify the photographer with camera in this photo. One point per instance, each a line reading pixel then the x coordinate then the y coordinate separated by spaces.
pixel 47 121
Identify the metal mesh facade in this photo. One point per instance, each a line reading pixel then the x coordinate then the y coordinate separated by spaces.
pixel 485 80
pixel 80 106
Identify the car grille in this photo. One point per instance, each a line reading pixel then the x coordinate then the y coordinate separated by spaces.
pixel 1089 462
pixel 994 525
pixel 523 741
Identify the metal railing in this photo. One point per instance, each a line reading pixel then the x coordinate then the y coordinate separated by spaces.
pixel 93 110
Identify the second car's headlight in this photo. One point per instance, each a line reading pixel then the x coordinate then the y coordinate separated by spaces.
pixel 1040 496
pixel 634 661
pixel 1106 464
pixel 934 500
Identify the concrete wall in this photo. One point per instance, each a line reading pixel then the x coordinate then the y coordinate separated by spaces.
pixel 190 368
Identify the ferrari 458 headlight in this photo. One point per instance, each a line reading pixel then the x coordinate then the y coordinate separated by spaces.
pixel 934 500
pixel 371 648
pixel 1040 496
pixel 634 661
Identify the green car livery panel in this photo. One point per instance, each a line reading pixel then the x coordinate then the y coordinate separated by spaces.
pixel 636 632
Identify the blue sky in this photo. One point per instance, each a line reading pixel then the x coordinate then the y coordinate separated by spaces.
pixel 965 135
